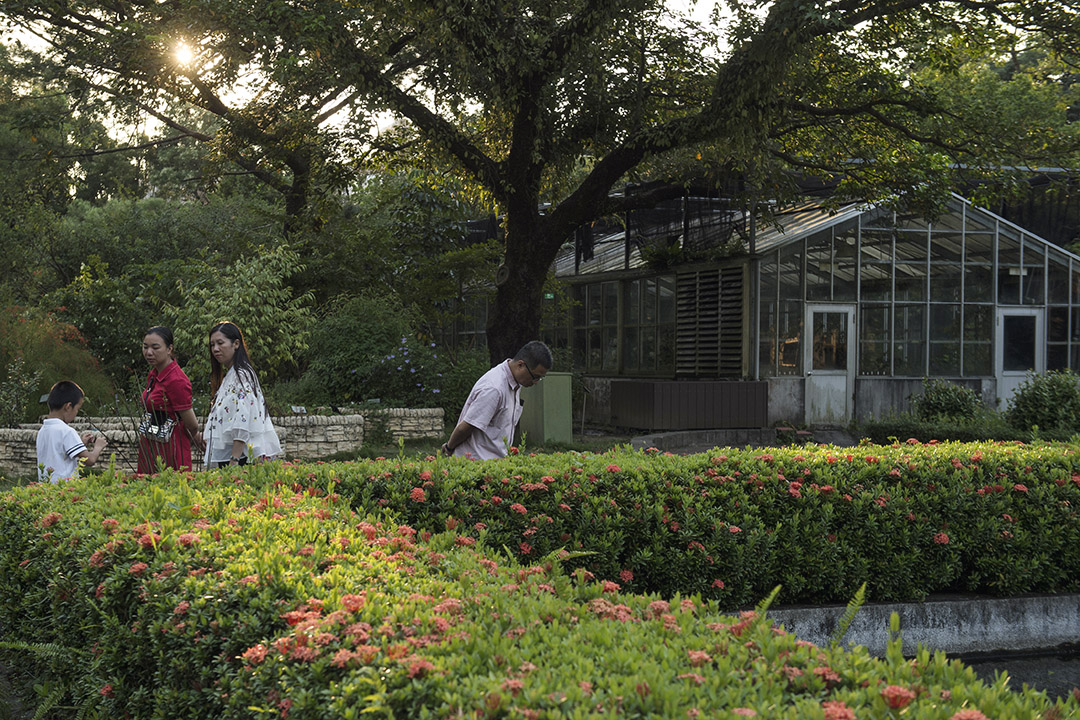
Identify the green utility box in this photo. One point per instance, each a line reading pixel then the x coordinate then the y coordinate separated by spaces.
pixel 546 416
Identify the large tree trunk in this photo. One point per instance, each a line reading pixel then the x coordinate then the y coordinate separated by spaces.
pixel 515 317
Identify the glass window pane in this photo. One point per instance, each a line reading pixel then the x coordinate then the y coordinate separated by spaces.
pixel 580 349
pixel 1018 338
pixel 1057 356
pixel 876 246
pixel 648 349
pixel 665 350
pixel 789 358
pixel 876 282
pixel 611 303
pixel 945 358
pixel 910 246
pixel 595 351
pixel 1034 284
pixel 945 322
pixel 979 248
pixel 878 218
pixel 909 348
pixel 631 346
pixel 767 349
pixel 594 306
pixel 874 340
pixel 975 219
pixel 910 281
pixel 666 290
pixel 578 292
pixel 633 302
pixel 819 266
pixel 977 359
pixel 978 323
pixel 1057 324
pixel 611 348
pixel 1009 285
pixel 648 301
pixel 1057 279
pixel 946 247
pixel 978 283
pixel 830 341
pixel 1008 248
pixel 949 221
pixel 911 220
pixel 945 282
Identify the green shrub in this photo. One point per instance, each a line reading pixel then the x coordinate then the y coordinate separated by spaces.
pixel 52 351
pixel 348 344
pixel 260 592
pixel 17 391
pixel 944 399
pixel 986 425
pixel 1050 401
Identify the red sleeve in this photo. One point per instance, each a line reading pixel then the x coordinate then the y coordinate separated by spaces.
pixel 177 387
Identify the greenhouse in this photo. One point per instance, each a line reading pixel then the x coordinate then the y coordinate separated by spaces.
pixel 831 314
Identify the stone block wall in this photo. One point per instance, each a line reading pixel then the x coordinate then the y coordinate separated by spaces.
pixel 302 436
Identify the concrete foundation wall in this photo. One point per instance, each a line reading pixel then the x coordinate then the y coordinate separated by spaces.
pixel 302 436
pixel 787 400
pixel 954 625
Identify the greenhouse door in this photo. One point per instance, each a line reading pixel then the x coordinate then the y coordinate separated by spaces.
pixel 1020 349
pixel 830 364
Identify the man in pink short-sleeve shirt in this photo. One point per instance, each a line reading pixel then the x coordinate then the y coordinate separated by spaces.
pixel 485 428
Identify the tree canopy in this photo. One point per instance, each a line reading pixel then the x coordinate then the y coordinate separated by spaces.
pixel 546 107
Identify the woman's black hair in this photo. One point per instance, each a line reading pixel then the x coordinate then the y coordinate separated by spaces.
pixel 163 332
pixel 241 359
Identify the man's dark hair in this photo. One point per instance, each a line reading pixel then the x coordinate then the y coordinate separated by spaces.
pixel 64 392
pixel 534 353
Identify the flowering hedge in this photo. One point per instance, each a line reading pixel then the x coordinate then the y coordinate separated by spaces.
pixel 908 519
pixel 241 594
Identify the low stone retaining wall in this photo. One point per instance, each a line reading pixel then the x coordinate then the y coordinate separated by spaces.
pixel 956 625
pixel 302 436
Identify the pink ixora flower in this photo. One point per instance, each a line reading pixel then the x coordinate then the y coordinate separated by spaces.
pixel 734 529
pixel 837 710
pixel 188 539
pixel 941 539
pixel 519 509
pixel 968 714
pixel 897 697
pixel 137 568
pixel 609 587
pixel 626 575
pixel 418 495
pixel 698 657
pixel 745 712
pixel 614 468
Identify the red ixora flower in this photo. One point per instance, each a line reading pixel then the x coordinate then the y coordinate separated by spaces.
pixel 897 697
pixel 519 509
pixel 1020 488
pixel 418 495
pixel 941 539
pixel 614 468
pixel 137 568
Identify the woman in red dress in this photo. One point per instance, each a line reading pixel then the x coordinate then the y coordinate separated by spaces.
pixel 167 395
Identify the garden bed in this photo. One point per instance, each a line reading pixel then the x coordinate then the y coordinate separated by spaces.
pixel 289 590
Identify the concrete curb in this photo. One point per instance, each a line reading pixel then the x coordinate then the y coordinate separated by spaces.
pixel 955 624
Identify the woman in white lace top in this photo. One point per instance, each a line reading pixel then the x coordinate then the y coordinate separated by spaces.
pixel 238 429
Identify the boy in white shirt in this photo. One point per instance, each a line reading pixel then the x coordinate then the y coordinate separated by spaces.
pixel 59 447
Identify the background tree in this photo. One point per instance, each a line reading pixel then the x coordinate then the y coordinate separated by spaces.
pixel 563 101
